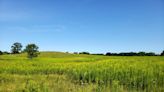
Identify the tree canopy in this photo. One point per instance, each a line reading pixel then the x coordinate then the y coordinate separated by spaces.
pixel 16 48
pixel 32 50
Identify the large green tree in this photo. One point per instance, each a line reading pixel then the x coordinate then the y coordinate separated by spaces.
pixel 32 50
pixel 16 48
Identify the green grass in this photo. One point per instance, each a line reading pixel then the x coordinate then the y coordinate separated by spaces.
pixel 63 72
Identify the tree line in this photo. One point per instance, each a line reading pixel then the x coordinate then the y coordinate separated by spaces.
pixel 124 54
pixel 31 50
pixel 135 54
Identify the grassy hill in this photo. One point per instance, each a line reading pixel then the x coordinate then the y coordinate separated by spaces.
pixel 64 72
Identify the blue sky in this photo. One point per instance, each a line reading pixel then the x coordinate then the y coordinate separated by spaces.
pixel 83 25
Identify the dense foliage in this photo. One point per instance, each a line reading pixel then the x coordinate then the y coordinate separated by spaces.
pixel 16 48
pixel 32 50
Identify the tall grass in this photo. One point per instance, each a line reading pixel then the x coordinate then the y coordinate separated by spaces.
pixel 97 73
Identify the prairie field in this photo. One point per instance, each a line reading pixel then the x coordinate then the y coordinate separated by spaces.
pixel 64 72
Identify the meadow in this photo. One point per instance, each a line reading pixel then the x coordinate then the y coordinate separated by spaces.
pixel 64 72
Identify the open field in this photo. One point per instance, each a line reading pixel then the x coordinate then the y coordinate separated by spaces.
pixel 63 72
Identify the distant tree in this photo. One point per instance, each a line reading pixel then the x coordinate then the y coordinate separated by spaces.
pixel 16 48
pixel 32 50
pixel 132 54
pixel 84 53
pixel 1 52
pixel 141 53
pixel 108 54
pixel 150 54
pixel 162 54
pixel 128 54
pixel 97 54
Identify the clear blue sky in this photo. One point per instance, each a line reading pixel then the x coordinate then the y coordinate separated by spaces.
pixel 83 25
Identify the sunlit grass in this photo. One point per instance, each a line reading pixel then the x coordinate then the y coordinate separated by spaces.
pixel 81 73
